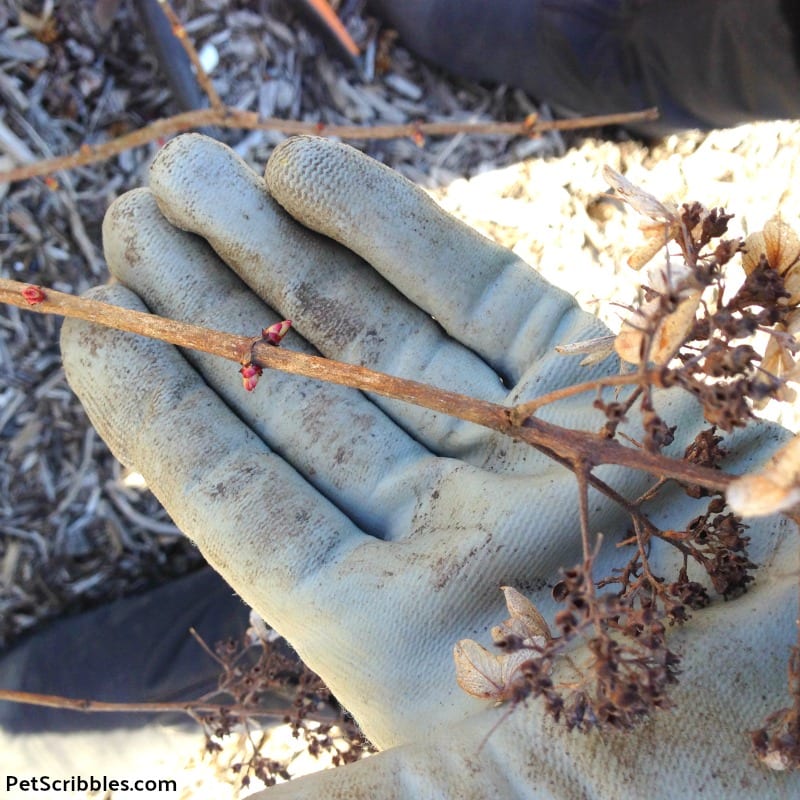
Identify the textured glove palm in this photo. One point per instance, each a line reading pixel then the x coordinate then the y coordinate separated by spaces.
pixel 374 534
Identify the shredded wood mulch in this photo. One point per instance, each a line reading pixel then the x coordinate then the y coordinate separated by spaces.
pixel 75 528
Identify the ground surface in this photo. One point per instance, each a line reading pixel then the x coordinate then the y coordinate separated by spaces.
pixel 75 529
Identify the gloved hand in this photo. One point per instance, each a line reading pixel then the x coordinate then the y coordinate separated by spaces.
pixel 374 534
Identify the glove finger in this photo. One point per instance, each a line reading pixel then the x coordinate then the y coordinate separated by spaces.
pixel 336 301
pixel 481 293
pixel 340 441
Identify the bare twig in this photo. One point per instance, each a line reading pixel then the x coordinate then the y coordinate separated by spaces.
pixel 526 409
pixel 124 319
pixel 68 197
pixel 206 649
pixel 570 447
pixel 86 705
pixel 226 117
pixel 581 473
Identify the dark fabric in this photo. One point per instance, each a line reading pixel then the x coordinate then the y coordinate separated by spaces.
pixel 791 13
pixel 712 63
pixel 135 649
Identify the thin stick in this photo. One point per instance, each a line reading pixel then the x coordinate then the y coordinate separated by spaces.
pixel 241 348
pixel 90 706
pixel 524 410
pixel 227 117
pixel 571 447
pixel 579 446
pixel 179 333
pixel 581 473
pixel 206 649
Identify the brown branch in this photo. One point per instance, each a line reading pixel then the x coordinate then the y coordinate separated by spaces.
pixel 179 333
pixel 571 447
pixel 581 473
pixel 91 706
pixel 482 412
pixel 226 117
pixel 522 411
pixel 593 450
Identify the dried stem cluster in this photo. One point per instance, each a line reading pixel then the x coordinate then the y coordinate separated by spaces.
pixel 252 671
pixel 690 333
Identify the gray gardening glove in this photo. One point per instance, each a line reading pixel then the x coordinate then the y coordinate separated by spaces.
pixel 374 534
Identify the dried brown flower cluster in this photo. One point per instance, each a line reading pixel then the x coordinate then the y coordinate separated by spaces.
pixel 252 673
pixel 691 331
pixel 698 330
pixel 624 676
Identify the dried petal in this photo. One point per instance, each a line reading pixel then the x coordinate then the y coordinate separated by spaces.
pixel 675 280
pixel 777 359
pixel 663 227
pixel 478 672
pixel 596 350
pixel 638 199
pixel 526 617
pixel 791 281
pixel 672 331
pixel 775 488
pixel 780 359
pixel 779 244
pixel 756 496
pixel 656 236
pixel 483 674
pixel 489 676
pixel 258 630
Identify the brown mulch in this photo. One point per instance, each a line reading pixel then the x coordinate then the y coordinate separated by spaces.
pixel 75 528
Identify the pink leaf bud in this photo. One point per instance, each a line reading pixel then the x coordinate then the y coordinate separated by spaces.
pixel 276 332
pixel 250 375
pixel 34 294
